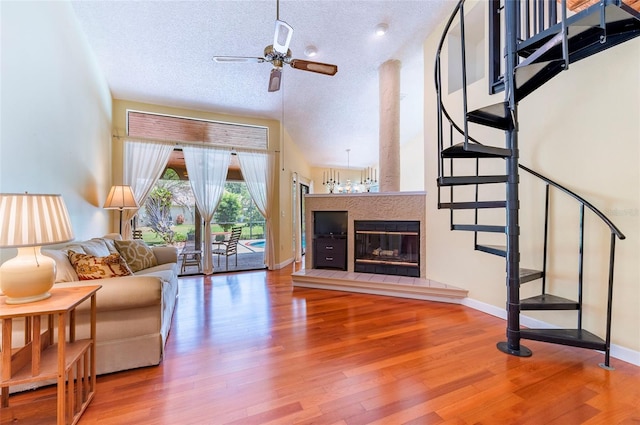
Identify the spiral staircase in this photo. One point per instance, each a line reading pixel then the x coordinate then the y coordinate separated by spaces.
pixel 539 39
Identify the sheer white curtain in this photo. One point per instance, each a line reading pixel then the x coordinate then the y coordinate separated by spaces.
pixel 297 218
pixel 207 168
pixel 144 163
pixel 258 171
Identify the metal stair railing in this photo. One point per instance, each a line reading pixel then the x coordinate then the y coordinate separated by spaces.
pixel 615 233
pixel 463 131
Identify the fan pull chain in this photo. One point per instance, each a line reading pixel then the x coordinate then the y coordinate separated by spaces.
pixel 282 124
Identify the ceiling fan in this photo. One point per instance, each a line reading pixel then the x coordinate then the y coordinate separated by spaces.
pixel 279 54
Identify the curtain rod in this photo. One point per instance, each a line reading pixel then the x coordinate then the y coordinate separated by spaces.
pixel 182 143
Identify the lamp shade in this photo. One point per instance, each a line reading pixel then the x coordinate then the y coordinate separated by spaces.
pixel 121 198
pixel 33 220
pixel 29 221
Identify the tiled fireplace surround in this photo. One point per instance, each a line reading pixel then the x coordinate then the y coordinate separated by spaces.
pixel 368 206
pixel 390 206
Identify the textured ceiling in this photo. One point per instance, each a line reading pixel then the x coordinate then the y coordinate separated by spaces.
pixel 161 52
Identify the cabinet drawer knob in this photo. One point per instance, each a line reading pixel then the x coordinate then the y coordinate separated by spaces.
pixel 328 258
pixel 328 247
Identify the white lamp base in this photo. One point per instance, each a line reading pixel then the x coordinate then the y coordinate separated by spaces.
pixel 28 276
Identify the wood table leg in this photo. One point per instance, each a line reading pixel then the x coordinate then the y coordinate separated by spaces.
pixel 62 394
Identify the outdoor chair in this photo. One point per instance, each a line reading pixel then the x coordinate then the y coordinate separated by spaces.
pixel 228 248
pixel 191 257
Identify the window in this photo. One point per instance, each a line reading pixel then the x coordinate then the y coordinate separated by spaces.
pixel 474 49
pixel 166 127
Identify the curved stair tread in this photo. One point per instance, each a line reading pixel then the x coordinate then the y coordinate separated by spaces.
pixel 497 115
pixel 475 150
pixel 548 302
pixel 573 337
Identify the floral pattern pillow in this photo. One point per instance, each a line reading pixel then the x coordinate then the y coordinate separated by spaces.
pixel 89 267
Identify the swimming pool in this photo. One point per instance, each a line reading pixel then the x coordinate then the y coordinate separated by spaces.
pixel 257 243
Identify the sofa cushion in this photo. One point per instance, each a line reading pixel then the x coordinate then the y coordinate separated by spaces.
pixel 137 254
pixel 95 247
pixel 64 270
pixel 111 246
pixel 166 272
pixel 89 267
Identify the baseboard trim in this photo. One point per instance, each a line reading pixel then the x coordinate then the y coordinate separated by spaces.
pixel 283 264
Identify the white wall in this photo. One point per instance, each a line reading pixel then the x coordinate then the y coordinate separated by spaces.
pixel 412 164
pixel 55 115
pixel 582 130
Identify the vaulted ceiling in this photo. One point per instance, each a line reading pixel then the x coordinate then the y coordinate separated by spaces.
pixel 161 52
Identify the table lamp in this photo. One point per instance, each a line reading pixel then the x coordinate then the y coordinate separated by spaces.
pixel 121 198
pixel 27 222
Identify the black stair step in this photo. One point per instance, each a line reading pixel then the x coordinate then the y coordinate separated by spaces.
pixel 583 42
pixel 548 302
pixel 479 228
pixel 467 180
pixel 613 14
pixel 550 50
pixel 528 275
pixel 474 150
pixel 472 205
pixel 572 337
pixel 618 20
pixel 589 42
pixel 530 78
pixel 496 116
pixel 585 38
pixel 499 250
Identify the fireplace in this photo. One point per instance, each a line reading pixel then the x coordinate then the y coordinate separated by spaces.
pixel 387 247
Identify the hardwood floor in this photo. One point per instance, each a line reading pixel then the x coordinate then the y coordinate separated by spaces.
pixel 247 348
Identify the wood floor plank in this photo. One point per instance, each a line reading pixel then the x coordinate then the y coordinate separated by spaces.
pixel 248 348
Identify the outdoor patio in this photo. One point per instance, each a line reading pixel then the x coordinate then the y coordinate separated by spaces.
pixel 250 257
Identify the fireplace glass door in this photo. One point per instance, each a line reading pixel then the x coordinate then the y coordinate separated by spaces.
pixel 387 247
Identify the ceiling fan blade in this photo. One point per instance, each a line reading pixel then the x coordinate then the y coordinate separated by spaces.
pixel 282 37
pixel 236 59
pixel 320 68
pixel 274 79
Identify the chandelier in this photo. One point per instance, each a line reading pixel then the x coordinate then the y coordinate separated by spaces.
pixel 331 179
pixel 368 178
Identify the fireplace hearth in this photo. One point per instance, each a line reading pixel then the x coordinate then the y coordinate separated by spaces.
pixel 387 247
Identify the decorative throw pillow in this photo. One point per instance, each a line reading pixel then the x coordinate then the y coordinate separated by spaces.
pixel 137 254
pixel 64 270
pixel 89 267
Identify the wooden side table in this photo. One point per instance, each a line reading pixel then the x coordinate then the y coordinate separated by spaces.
pixel 191 258
pixel 71 362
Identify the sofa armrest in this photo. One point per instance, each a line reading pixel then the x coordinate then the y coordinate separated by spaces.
pixel 165 254
pixel 121 293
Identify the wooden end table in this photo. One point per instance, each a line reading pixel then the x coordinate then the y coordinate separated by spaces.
pixel 69 361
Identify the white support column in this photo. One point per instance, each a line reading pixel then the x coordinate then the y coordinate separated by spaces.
pixel 389 143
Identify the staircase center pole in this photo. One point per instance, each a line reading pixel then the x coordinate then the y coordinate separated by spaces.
pixel 512 345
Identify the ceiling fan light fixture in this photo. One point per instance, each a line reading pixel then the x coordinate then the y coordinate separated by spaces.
pixel 282 37
pixel 381 29
pixel 310 51
pixel 274 79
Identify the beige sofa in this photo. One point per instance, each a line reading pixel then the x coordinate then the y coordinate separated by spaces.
pixel 134 312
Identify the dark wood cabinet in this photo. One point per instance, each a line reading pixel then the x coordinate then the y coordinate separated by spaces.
pixel 330 253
